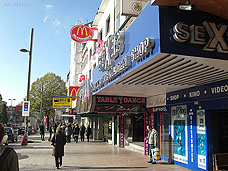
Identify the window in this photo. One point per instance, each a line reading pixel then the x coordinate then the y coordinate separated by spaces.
pixel 100 36
pixel 107 25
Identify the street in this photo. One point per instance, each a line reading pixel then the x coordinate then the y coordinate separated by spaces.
pixel 94 155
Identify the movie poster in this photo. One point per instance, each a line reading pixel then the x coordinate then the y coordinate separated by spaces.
pixel 179 133
pixel 201 140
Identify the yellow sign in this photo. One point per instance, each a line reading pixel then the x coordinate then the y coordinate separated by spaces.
pixel 62 102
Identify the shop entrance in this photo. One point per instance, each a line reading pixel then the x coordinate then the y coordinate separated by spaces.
pixel 138 128
pixel 219 131
pixel 163 133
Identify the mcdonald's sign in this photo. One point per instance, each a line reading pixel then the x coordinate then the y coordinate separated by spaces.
pixel 73 90
pixel 81 33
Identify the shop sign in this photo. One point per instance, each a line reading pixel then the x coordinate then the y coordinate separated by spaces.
pixel 62 102
pixel 119 108
pixel 73 90
pixel 209 91
pixel 120 100
pixel 217 40
pixel 112 48
pixel 159 100
pixel 81 33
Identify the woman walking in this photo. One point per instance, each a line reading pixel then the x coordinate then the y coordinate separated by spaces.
pixel 58 142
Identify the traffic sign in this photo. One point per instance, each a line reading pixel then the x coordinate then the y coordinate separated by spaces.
pixel 62 102
pixel 25 108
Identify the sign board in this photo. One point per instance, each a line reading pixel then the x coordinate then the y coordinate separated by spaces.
pixel 73 91
pixel 25 108
pixel 62 102
pixel 81 33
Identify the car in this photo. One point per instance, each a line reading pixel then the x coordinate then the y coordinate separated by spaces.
pixel 21 131
pixel 12 136
pixel 5 140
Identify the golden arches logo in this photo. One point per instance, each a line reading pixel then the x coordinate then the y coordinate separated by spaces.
pixel 82 30
pixel 73 91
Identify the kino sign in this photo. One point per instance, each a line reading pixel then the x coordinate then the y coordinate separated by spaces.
pixel 81 33
pixel 218 35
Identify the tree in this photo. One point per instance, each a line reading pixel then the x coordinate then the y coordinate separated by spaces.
pixel 52 85
pixel 3 112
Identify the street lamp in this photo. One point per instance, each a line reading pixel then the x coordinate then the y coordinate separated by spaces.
pixel 29 71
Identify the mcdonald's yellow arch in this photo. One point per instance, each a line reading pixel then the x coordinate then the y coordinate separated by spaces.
pixel 73 90
pixel 82 30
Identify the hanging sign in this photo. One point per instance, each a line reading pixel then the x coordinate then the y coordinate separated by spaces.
pixel 81 33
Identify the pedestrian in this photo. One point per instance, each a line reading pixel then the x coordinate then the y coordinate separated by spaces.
pixel 42 131
pixel 58 142
pixel 76 132
pixel 68 132
pixel 8 156
pixel 55 126
pixel 50 131
pixel 82 132
pixel 152 142
pixel 88 132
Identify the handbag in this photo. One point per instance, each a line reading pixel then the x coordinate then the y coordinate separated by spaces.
pixel 156 154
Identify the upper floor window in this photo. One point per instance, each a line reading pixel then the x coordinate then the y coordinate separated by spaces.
pixel 107 25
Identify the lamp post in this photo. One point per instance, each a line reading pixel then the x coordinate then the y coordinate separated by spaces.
pixel 41 100
pixel 29 71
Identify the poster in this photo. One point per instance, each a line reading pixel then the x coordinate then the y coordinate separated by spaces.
pixel 201 140
pixel 179 133
pixel 121 131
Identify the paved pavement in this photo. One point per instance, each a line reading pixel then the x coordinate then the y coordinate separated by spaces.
pixel 85 156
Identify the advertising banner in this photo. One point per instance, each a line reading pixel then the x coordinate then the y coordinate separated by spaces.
pixel 179 133
pixel 201 140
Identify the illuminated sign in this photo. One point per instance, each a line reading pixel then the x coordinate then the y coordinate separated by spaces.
pixel 73 90
pixel 218 35
pixel 81 33
pixel 62 102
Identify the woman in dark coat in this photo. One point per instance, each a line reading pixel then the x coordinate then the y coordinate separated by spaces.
pixel 58 142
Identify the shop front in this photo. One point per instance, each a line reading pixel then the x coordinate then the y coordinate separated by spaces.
pixel 166 52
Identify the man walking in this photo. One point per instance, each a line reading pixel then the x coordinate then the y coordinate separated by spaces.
pixel 152 142
pixel 50 131
pixel 82 133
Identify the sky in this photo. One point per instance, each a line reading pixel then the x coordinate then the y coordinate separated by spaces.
pixel 52 21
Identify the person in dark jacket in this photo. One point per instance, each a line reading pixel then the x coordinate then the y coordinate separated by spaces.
pixel 76 132
pixel 8 156
pixel 58 142
pixel 68 132
pixel 50 131
pixel 82 132
pixel 88 132
pixel 42 131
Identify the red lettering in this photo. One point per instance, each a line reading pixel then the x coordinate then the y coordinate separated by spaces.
pixel 138 100
pixel 106 99
pixel 121 100
pixel 99 99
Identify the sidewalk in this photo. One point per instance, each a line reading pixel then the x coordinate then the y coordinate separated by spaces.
pixel 94 155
